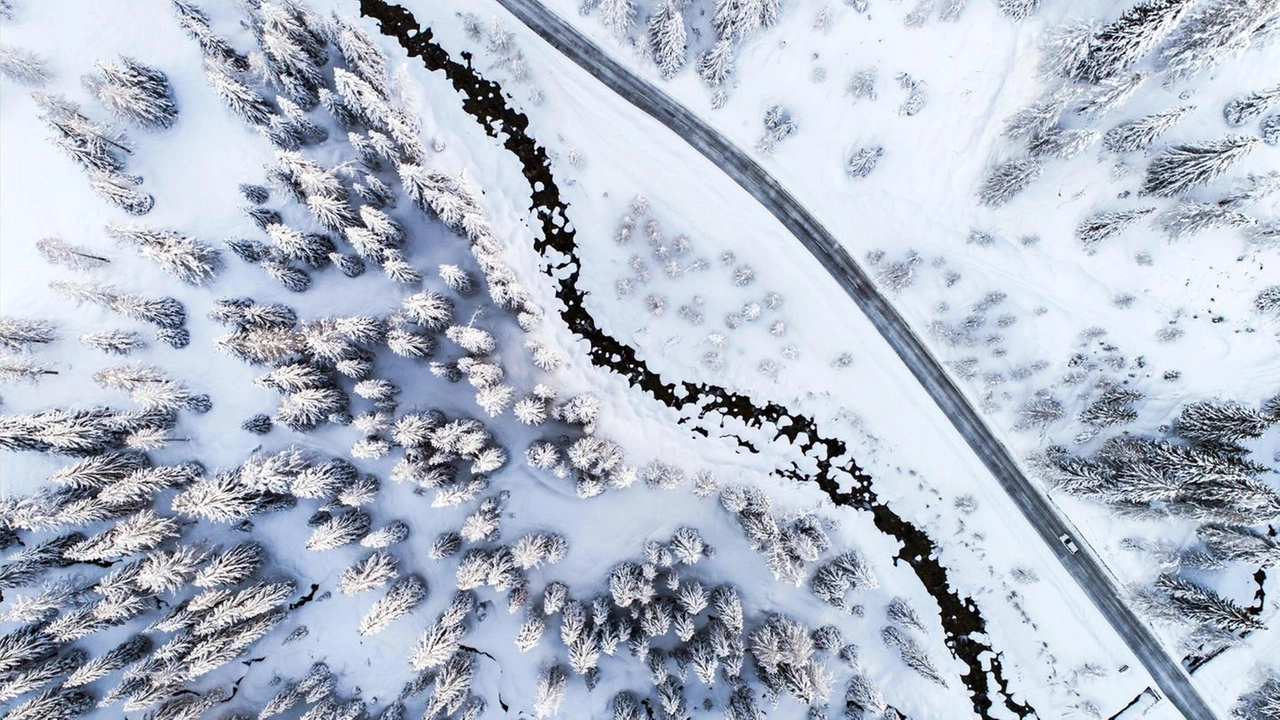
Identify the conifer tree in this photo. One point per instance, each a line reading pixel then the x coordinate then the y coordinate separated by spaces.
pixel 1242 109
pixel 1189 218
pixel 231 567
pixel 405 594
pixel 134 92
pixel 1100 226
pixel 21 333
pixel 716 65
pixel 551 688
pixel 1139 134
pixel 1182 167
pixel 126 653
pixel 1008 179
pixel 185 258
pixel 95 148
pixel 1109 94
pixel 1018 9
pixel 1221 422
pixel 75 257
pixel 24 66
pixel 1268 301
pixel 1199 604
pixel 114 342
pixel 1214 31
pixel 339 530
pixel 1119 45
pixel 452 684
pixel 56 703
pixel 667 38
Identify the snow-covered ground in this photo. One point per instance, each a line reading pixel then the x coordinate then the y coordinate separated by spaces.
pixel 976 71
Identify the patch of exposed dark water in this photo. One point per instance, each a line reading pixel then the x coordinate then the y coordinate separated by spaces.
pixel 701 403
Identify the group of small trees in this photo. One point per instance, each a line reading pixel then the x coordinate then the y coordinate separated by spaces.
pixel 659 595
pixel 671 257
pixel 1097 62
pixel 1204 474
pixel 131 91
pixel 1262 702
pixel 786 547
pixel 359 98
pixel 21 335
pixel 216 609
pixel 1209 478
pixel 166 314
pixel 97 149
pixel 666 32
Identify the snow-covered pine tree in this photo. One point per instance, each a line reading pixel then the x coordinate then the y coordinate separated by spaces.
pixel 552 682
pixel 1182 167
pixel 1199 604
pixel 23 66
pixel 114 342
pixel 1109 94
pixel 196 23
pixel 95 148
pixel 667 38
pixel 429 309
pixel 55 703
pixel 1221 422
pixel 21 333
pixel 618 16
pixel 134 92
pixel 1124 42
pixel 1261 703
pixel 716 65
pixel 863 695
pixel 1018 9
pixel 1215 31
pixel 232 566
pixel 59 252
pixel 359 52
pixel 241 99
pixel 452 684
pixel 187 259
pixel 863 161
pixel 1242 109
pixel 122 191
pixel 15 369
pixel 1102 225
pixel 1268 301
pixel 222 498
pixel 1269 129
pixel 1007 180
pixel 139 533
pixel 126 653
pixel 1113 406
pixel 311 248
pixel 1139 134
pixel 1189 218
pixel 1238 544
pixel 405 594
pixel 912 654
pixel 340 530
pixel 779 124
pixel 1062 143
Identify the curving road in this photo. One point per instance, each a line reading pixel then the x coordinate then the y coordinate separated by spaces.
pixel 1082 565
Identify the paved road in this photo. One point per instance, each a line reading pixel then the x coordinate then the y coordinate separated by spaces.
pixel 1083 567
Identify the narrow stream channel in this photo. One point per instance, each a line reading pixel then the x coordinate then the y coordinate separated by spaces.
pixel 699 403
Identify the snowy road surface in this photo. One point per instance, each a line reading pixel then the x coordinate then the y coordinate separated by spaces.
pixel 1083 566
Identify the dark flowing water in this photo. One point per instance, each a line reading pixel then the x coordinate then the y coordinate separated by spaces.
pixel 700 404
